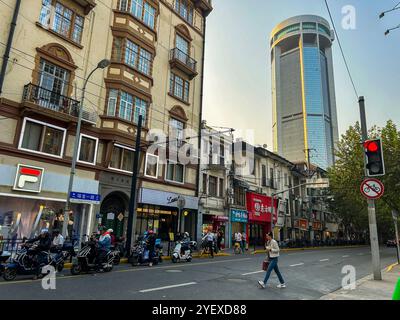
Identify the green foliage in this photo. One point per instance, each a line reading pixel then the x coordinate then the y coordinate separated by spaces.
pixel 348 173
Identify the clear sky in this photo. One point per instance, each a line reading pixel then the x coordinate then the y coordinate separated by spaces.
pixel 237 90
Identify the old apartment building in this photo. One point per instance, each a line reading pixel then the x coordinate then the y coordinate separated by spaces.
pixel 156 50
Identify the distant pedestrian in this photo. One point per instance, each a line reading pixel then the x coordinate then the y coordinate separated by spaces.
pixel 219 240
pixel 243 244
pixel 238 240
pixel 272 248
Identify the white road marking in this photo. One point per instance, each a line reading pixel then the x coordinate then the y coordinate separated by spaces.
pixel 323 260
pixel 346 256
pixel 360 254
pixel 246 274
pixel 169 287
pixel 296 265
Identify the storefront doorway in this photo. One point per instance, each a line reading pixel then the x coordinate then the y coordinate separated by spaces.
pixel 112 211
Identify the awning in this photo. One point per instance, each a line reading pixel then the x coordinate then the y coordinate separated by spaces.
pixel 241 183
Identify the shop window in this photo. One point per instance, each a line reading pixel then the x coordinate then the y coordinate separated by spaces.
pixel 61 20
pixel 88 149
pixel 212 186
pixel 40 137
pixel 122 158
pixel 151 166
pixel 175 172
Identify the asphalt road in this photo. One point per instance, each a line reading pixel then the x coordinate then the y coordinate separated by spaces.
pixel 308 275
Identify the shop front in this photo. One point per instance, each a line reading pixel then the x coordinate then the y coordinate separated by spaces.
pixel 157 210
pixel 301 229
pixel 220 224
pixel 239 220
pixel 317 227
pixel 259 208
pixel 33 198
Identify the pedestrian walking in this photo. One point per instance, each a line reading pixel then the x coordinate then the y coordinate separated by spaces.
pixel 243 241
pixel 219 240
pixel 272 248
pixel 238 240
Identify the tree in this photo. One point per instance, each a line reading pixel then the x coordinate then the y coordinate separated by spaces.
pixel 348 173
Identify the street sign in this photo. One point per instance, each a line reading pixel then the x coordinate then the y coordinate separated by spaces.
pixel 372 188
pixel 80 197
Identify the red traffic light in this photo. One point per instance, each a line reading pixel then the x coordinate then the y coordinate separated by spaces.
pixel 371 146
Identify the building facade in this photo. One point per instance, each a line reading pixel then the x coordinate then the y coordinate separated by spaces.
pixel 303 93
pixel 156 49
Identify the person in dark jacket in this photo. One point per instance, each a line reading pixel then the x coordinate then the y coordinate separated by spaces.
pixel 151 243
pixel 39 252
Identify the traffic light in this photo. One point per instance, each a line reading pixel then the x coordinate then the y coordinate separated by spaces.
pixel 374 158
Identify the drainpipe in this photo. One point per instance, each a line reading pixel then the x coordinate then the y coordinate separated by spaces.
pixel 6 55
pixel 198 232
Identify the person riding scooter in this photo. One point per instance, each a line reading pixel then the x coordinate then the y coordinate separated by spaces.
pixel 58 241
pixel 39 252
pixel 104 246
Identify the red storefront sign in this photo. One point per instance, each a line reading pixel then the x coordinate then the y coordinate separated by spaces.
pixel 259 208
pixel 317 225
pixel 303 224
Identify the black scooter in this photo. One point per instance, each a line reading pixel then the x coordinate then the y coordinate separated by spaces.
pixel 86 259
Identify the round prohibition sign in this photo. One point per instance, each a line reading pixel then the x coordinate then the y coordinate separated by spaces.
pixel 372 188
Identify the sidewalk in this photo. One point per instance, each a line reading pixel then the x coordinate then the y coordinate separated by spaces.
pixel 368 289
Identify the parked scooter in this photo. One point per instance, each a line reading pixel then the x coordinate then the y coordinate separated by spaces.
pixel 23 263
pixel 4 256
pixel 60 255
pixel 159 250
pixel 85 260
pixel 183 251
pixel 140 254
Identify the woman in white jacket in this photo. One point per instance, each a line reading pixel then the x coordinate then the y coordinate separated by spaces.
pixel 273 254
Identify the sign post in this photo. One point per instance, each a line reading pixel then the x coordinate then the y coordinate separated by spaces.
pixel 395 216
pixel 373 230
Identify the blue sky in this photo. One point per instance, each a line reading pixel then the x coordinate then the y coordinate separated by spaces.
pixel 238 86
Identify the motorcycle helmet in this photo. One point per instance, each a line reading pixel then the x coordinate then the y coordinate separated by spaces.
pixel 151 232
pixel 44 230
pixel 186 234
pixel 110 230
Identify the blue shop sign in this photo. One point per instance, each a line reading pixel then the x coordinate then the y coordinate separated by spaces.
pixel 80 197
pixel 239 216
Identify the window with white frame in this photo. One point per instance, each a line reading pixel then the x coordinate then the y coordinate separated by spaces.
pixel 151 166
pixel 141 10
pixel 61 20
pixel 126 106
pixel 40 137
pixel 175 172
pixel 122 158
pixel 88 149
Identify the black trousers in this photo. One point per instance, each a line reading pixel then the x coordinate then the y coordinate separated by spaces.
pixel 210 245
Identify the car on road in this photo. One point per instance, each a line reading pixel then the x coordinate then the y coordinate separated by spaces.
pixel 391 243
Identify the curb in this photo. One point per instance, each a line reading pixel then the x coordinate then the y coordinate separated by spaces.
pixel 166 258
pixel 310 248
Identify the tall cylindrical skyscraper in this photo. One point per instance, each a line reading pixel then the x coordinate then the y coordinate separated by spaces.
pixel 303 91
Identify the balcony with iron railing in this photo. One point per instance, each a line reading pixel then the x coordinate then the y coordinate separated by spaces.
pixel 180 60
pixel 205 5
pixel 54 104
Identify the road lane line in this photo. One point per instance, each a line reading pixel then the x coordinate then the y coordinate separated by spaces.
pixel 246 274
pixel 323 260
pixel 296 265
pixel 181 265
pixel 345 256
pixel 169 287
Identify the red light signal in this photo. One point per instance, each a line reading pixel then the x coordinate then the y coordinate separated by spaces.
pixel 375 166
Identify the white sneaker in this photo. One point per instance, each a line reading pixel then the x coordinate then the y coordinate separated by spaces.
pixel 261 284
pixel 281 285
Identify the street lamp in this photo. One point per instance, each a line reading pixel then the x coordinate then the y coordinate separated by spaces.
pixel 101 65
pixel 388 31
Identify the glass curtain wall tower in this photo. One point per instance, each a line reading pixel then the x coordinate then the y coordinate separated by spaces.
pixel 304 106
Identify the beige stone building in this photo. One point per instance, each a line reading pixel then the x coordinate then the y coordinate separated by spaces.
pixel 156 49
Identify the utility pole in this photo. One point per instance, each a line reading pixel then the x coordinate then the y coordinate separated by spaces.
pixel 133 200
pixel 373 230
pixel 395 215
pixel 101 65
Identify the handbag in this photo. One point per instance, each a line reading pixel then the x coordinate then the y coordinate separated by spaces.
pixel 265 264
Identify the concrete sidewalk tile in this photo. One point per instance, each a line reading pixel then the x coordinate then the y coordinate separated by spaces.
pixel 369 289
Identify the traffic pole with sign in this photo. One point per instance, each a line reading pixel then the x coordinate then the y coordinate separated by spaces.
pixel 373 230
